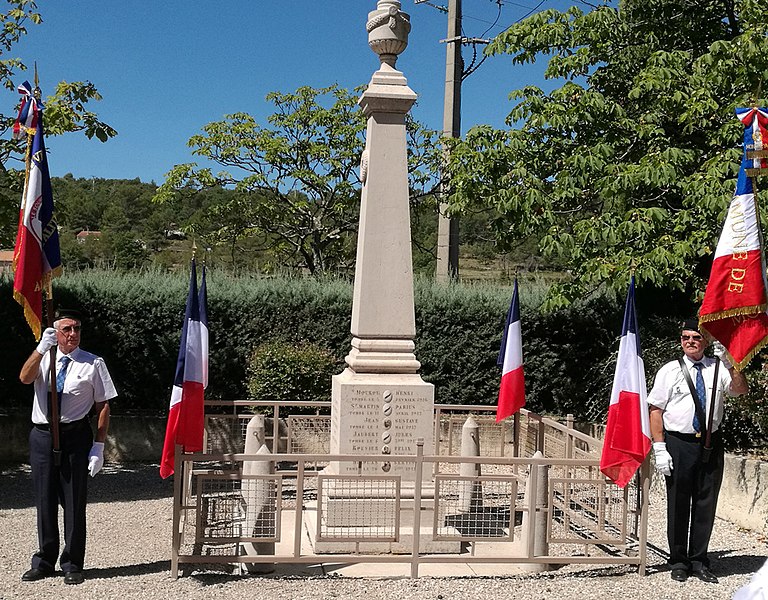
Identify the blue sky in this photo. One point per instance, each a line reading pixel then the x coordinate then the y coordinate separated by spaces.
pixel 165 69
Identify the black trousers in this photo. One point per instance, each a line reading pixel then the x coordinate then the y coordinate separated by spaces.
pixel 692 492
pixel 67 485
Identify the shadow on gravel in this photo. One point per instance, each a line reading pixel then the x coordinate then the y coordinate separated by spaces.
pixel 122 483
pixel 724 563
pixel 159 566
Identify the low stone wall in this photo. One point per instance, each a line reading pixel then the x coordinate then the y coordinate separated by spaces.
pixel 744 495
pixel 130 439
pixel 743 498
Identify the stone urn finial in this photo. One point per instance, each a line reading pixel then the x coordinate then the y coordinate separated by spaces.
pixel 388 29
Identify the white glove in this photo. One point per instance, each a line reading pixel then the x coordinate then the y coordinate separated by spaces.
pixel 96 458
pixel 47 341
pixel 722 355
pixel 663 459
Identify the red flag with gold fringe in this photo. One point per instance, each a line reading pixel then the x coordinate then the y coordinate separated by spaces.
pixel 736 299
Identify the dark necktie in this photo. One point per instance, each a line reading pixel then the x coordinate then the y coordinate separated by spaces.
pixel 65 360
pixel 701 392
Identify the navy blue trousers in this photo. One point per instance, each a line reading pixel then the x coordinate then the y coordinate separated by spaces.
pixel 692 493
pixel 65 485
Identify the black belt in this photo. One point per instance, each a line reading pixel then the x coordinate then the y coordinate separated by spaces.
pixel 63 426
pixel 692 437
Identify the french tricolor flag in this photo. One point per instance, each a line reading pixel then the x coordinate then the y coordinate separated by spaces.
pixel 512 388
pixel 628 431
pixel 185 418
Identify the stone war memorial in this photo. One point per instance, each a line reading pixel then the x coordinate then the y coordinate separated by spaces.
pixel 391 475
pixel 380 404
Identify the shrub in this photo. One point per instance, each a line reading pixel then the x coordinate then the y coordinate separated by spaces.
pixel 284 371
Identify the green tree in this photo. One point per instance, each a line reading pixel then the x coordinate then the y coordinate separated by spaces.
pixel 121 209
pixel 294 183
pixel 631 162
pixel 65 111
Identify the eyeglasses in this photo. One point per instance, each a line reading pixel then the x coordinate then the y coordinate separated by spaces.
pixel 70 328
pixel 695 338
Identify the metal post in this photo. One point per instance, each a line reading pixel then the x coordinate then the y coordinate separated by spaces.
pixel 645 486
pixel 300 510
pixel 417 508
pixel 178 498
pixel 276 430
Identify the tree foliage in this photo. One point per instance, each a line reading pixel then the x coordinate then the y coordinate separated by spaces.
pixel 295 182
pixel 631 162
pixel 65 111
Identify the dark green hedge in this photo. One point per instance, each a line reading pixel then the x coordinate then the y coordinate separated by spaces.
pixel 135 322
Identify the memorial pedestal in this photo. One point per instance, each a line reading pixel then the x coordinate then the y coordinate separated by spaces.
pixel 342 533
pixel 377 413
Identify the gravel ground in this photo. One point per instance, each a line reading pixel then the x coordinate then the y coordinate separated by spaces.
pixel 129 557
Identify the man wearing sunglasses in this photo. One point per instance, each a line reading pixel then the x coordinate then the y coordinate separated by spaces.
pixel 84 387
pixel 692 473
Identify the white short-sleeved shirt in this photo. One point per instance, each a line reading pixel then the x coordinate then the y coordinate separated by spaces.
pixel 671 393
pixel 87 382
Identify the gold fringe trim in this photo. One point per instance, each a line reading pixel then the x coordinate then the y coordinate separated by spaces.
pixel 743 363
pixel 29 314
pixel 733 312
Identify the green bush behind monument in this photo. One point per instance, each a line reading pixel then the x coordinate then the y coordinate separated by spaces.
pixel 260 327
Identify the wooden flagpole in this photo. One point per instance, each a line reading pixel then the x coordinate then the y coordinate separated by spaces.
pixel 53 415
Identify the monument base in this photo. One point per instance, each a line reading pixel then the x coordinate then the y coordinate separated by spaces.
pixel 342 533
pixel 382 414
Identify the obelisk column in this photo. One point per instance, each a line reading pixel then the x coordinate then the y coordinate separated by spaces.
pixel 380 404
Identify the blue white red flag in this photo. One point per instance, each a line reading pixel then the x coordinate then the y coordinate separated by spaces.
pixel 734 307
pixel 186 415
pixel 36 255
pixel 628 431
pixel 512 387
pixel 26 121
pixel 755 121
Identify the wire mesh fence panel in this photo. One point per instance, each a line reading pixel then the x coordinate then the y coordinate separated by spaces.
pixel 475 508
pixel 555 443
pixel 262 495
pixel 587 511
pixel 309 434
pixel 495 438
pixel 224 433
pixel 221 509
pixel 358 507
pixel 530 433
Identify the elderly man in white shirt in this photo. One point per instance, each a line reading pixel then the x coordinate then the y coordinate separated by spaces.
pixel 679 428
pixel 84 387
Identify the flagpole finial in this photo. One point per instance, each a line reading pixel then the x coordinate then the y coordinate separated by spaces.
pixel 632 267
pixel 37 91
pixel 194 248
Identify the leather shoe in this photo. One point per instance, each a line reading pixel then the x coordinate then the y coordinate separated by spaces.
pixel 35 574
pixel 679 574
pixel 705 575
pixel 73 577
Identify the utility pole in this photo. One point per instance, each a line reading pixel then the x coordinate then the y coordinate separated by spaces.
pixel 447 268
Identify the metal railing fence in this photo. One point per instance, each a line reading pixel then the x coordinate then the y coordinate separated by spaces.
pixel 439 516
